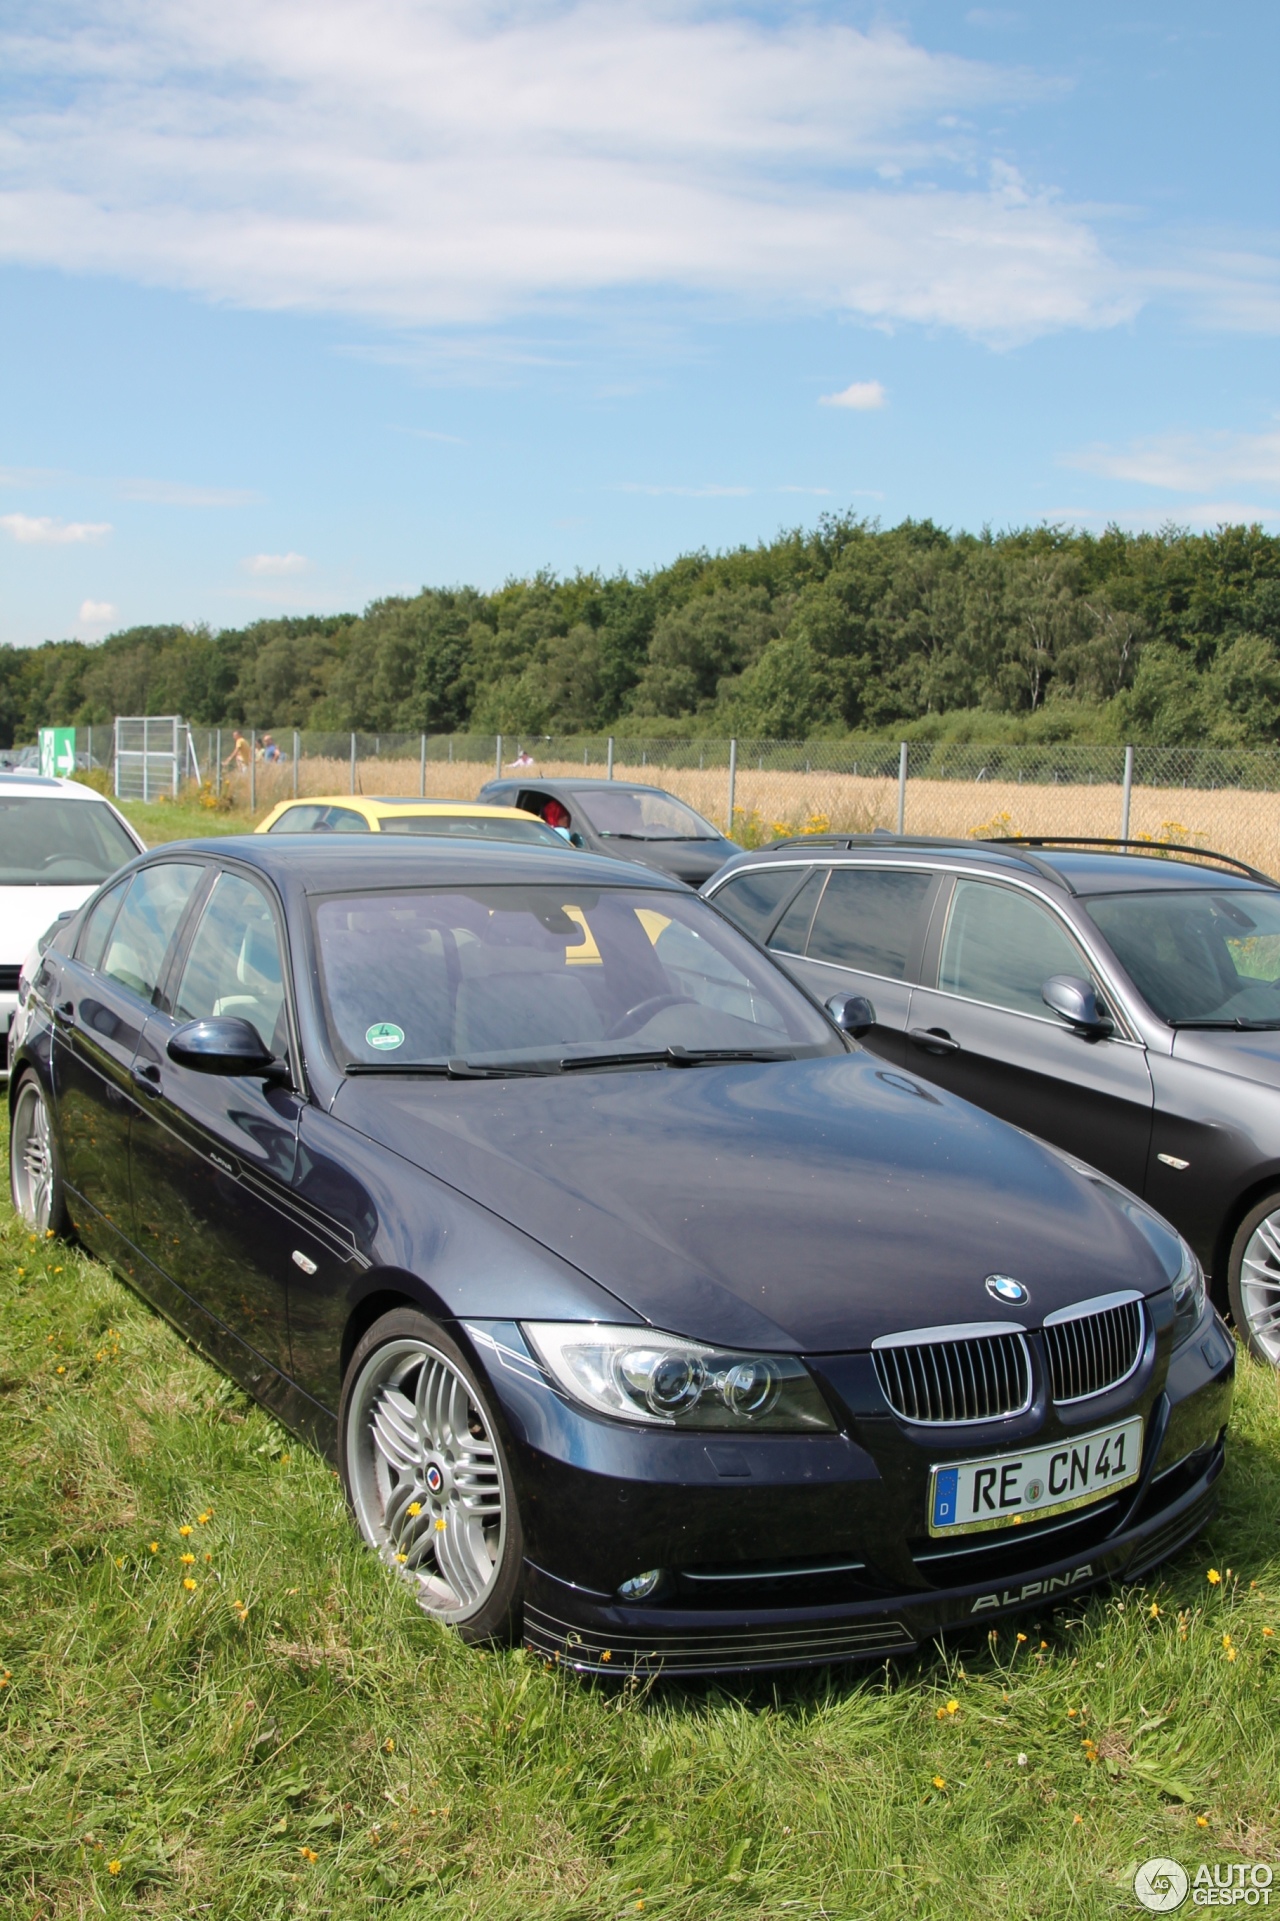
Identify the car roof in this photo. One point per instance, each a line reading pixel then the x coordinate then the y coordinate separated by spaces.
pixel 1082 871
pixel 324 863
pixel 47 784
pixel 376 805
pixel 570 782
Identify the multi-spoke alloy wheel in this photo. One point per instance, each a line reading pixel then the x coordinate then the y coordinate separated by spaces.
pixel 1254 1280
pixel 33 1167
pixel 426 1475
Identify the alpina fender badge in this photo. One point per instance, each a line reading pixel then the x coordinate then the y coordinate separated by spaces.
pixel 1003 1287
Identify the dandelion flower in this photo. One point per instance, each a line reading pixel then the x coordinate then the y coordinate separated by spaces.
pixel 184 1530
pixel 189 1585
pixel 203 1519
pixel 1077 1820
pixel 389 1746
pixel 1044 1644
pixel 402 1558
pixel 1226 1640
pixel 1268 1632
pixel 1213 1577
pixel 414 1507
pixel 606 1654
pixel 1072 1713
pixel 1201 1822
pixel 939 1782
pixel 114 1867
pixel 1154 1610
pixel 1231 1654
pixel 187 1560
pixel 62 1370
pixel 440 1525
pixel 1022 1637
pixel 308 1854
pixel 6 1677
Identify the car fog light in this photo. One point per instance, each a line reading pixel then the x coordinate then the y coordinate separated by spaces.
pixel 641 1586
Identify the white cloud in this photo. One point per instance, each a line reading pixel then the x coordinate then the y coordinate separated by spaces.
pixel 96 613
pixel 270 566
pixel 41 531
pixel 435 162
pixel 1189 463
pixel 1202 516
pixel 864 396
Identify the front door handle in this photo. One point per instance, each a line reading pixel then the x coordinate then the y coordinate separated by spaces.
pixel 146 1075
pixel 934 1040
pixel 64 1013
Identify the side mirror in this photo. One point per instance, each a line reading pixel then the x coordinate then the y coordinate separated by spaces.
pixel 224 1044
pixel 1077 1002
pixel 575 838
pixel 852 1014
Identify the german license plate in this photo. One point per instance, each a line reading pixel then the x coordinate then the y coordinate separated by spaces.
pixel 1005 1490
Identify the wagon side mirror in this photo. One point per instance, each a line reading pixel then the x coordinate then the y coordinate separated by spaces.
pixel 224 1044
pixel 1078 1003
pixel 852 1013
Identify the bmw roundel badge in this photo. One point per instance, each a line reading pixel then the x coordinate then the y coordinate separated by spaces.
pixel 1003 1287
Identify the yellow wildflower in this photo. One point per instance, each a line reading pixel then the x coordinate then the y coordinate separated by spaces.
pixel 207 1516
pixel 389 1746
pixel 187 1560
pixel 939 1782
pixel 189 1585
pixel 1022 1637
pixel 1268 1632
pixel 1226 1640
pixel 184 1530
pixel 113 1867
pixel 1201 1822
pixel 1154 1610
pixel 308 1854
pixel 5 1677
pixel 1213 1577
pixel 402 1558
pixel 414 1507
pixel 154 1546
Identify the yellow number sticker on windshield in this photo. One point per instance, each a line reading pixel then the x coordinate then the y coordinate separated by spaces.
pixel 586 953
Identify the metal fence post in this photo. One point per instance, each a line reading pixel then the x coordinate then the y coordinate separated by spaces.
pixel 1127 798
pixel 253 770
pixel 296 746
pixel 353 763
pixel 733 781
pixel 902 786
pixel 217 762
pixel 422 770
pixel 497 759
pixel 608 764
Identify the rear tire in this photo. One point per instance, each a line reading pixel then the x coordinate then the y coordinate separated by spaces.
pixel 427 1477
pixel 35 1178
pixel 1253 1280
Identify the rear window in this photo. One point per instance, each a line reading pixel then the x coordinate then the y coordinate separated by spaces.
pixel 54 842
pixel 472 827
pixel 867 919
pixel 752 899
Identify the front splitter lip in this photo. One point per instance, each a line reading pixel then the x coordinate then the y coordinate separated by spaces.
pixel 566 1628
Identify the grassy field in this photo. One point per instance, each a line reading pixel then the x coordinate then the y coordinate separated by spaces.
pixel 216 1703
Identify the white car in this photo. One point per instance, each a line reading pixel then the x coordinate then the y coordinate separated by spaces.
pixel 58 842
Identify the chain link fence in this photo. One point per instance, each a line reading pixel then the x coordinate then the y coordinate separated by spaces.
pixel 1224 798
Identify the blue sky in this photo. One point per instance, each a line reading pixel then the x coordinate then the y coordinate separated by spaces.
pixel 303 303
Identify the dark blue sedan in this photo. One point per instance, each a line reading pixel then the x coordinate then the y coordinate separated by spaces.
pixel 648 1318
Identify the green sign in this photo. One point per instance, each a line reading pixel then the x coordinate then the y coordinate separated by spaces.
pixel 58 750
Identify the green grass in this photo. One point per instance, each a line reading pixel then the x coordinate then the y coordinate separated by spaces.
pixel 290 1736
pixel 161 820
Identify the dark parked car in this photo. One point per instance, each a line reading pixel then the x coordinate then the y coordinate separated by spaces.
pixel 646 1315
pixel 621 819
pixel 1123 1005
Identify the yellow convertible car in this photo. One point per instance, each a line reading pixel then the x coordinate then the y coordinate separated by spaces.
pixel 357 814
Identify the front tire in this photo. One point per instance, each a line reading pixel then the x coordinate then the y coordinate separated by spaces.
pixel 35 1179
pixel 427 1478
pixel 1253 1280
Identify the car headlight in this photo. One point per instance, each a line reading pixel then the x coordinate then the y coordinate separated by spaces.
pixel 1188 1297
pixel 637 1374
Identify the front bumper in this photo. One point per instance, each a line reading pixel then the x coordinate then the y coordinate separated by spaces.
pixel 789 1551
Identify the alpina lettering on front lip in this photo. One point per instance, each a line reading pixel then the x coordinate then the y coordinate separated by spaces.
pixel 1003 1287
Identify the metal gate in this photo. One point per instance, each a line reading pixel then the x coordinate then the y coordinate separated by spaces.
pixel 153 755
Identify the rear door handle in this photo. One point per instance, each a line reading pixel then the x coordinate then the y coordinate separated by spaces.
pixel 146 1075
pixel 64 1013
pixel 934 1040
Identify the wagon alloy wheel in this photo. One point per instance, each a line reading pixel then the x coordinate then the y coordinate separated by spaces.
pixel 1254 1281
pixel 33 1168
pixel 426 1475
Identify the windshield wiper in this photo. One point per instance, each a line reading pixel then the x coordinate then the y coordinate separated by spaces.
pixel 451 1070
pixel 1237 1022
pixel 675 1057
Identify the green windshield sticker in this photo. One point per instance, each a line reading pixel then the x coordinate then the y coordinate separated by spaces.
pixel 384 1035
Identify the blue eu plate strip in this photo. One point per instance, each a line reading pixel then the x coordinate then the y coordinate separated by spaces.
pixel 944 1497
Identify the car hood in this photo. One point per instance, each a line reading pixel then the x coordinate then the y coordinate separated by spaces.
pixel 808 1206
pixel 1253 1056
pixel 25 912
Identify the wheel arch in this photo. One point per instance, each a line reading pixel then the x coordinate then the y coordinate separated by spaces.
pixel 1248 1198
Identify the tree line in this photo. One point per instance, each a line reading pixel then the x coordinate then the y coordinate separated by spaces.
pixel 1037 633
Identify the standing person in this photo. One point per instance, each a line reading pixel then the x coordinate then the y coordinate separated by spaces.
pixel 239 755
pixel 269 749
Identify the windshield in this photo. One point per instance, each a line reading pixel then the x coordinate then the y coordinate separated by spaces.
pixel 59 843
pixel 472 827
pixel 636 813
pixel 1199 956
pixel 539 974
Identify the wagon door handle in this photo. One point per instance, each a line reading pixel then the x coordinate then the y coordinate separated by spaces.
pixel 146 1075
pixel 64 1013
pixel 934 1040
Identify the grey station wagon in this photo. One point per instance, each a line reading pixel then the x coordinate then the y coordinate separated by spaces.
pixel 1125 1007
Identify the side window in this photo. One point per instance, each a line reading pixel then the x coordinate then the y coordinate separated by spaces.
pixel 139 940
pixel 867 918
pixel 752 899
pixel 1001 947
pixel 343 820
pixel 93 935
pixel 234 966
pixel 297 820
pixel 792 932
